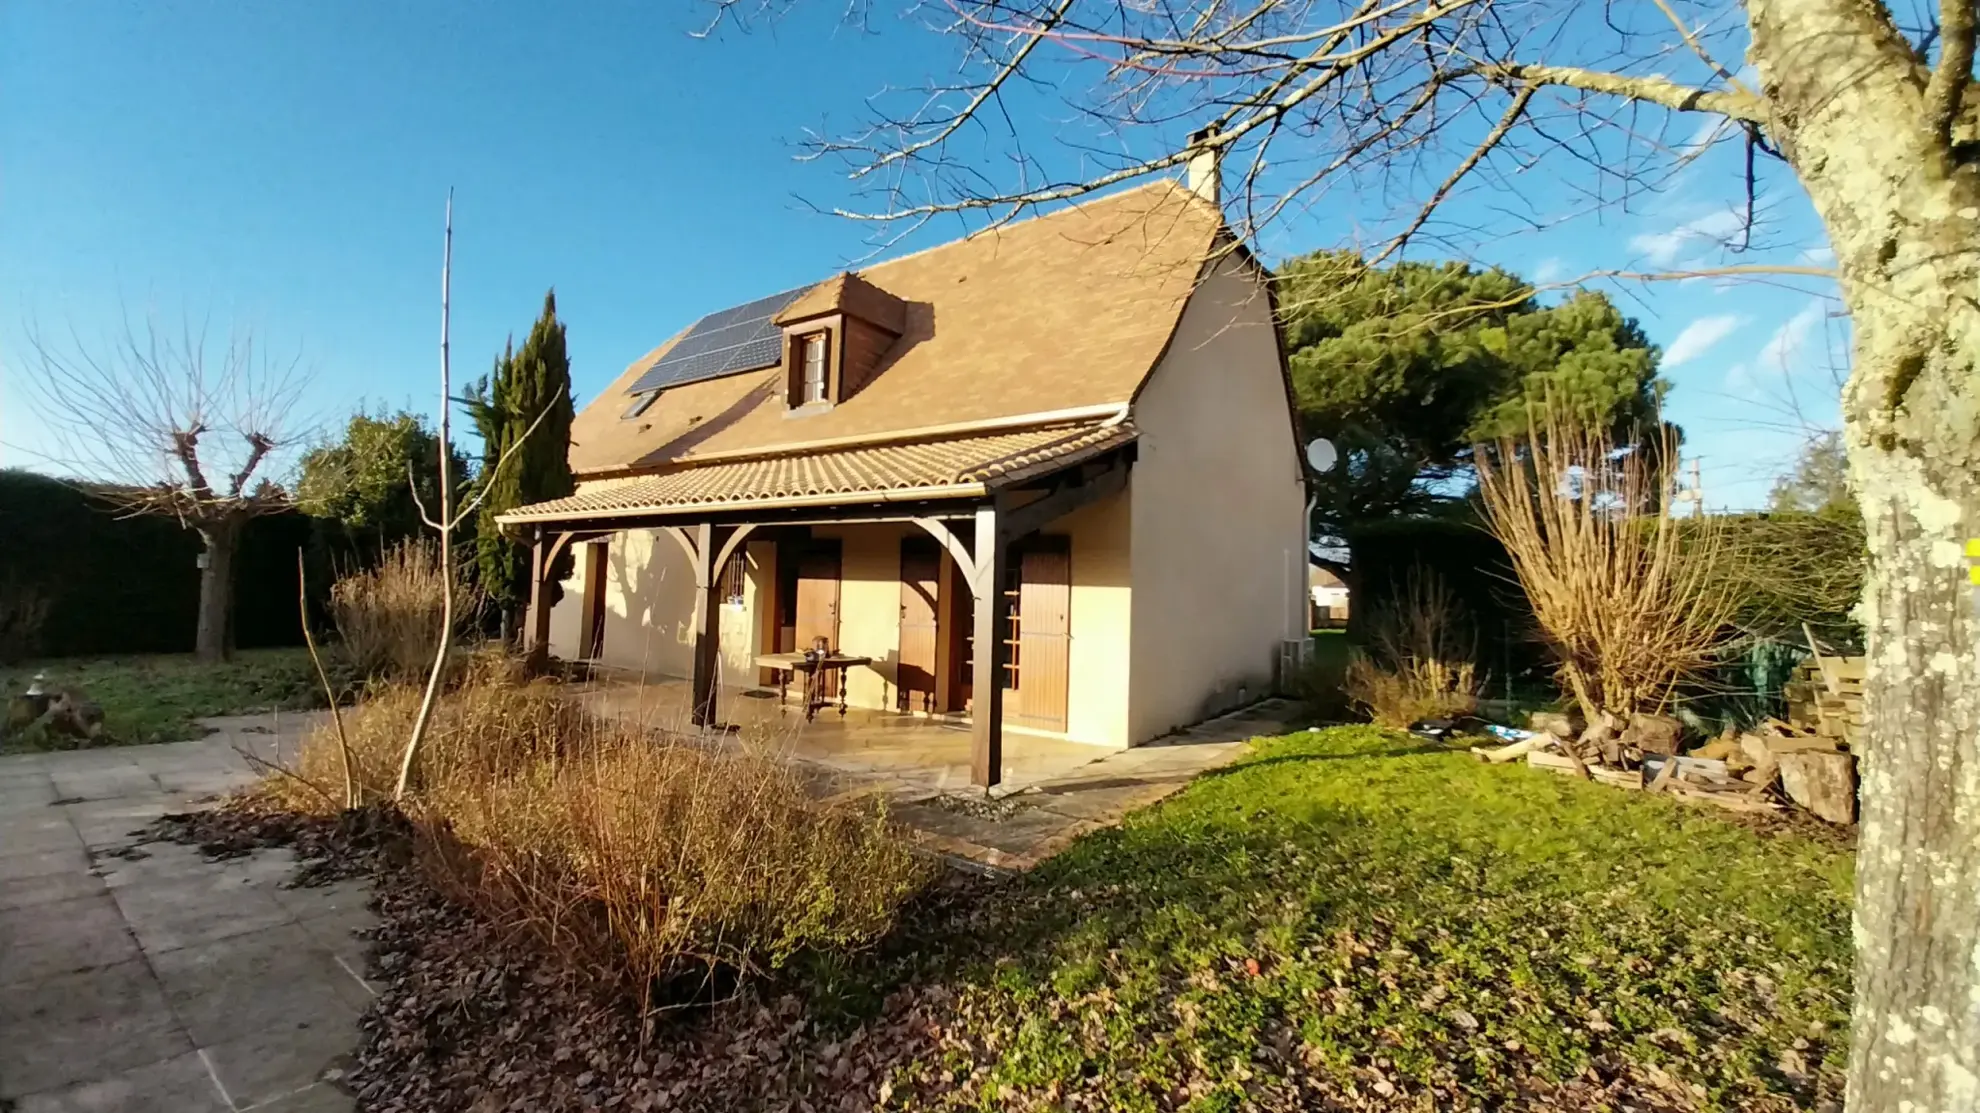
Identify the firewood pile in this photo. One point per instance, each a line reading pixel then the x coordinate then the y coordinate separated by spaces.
pixel 1766 769
pixel 1826 697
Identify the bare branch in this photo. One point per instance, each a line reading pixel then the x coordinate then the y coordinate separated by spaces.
pixel 147 419
pixel 1946 92
pixel 1650 89
pixel 412 484
pixel 1690 38
pixel 1492 139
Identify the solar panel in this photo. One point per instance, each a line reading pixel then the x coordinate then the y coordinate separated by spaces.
pixel 738 339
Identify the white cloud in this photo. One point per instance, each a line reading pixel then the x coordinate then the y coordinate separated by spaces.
pixel 1789 343
pixel 1819 256
pixel 1662 248
pixel 1699 337
pixel 1550 270
pixel 1710 129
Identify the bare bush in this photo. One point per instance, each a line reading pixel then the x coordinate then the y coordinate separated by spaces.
pixel 1633 605
pixel 643 860
pixel 390 616
pixel 1420 660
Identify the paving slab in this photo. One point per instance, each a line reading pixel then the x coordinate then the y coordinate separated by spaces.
pixel 200 906
pixel 81 933
pixel 320 1098
pixel 142 978
pixel 84 1027
pixel 46 888
pixel 253 983
pixel 181 1084
pixel 280 1061
pixel 31 828
pixel 36 863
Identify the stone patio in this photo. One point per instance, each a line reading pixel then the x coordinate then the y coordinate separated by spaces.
pixel 1041 818
pixel 140 978
pixel 1053 790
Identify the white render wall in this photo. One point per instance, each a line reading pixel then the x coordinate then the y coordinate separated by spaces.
pixel 1219 549
pixel 649 609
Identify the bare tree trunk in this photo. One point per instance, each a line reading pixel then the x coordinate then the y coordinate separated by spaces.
pixel 1905 224
pixel 211 642
pixel 446 524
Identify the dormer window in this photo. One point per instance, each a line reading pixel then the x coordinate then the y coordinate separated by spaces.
pixel 812 352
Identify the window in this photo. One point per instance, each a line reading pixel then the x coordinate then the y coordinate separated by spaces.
pixel 814 367
pixel 641 402
pixel 734 575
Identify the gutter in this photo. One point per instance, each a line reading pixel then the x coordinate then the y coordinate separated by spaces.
pixel 904 494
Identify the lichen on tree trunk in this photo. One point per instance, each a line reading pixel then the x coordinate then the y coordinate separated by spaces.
pixel 1902 209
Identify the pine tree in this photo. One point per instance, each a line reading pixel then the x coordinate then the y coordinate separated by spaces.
pixel 527 382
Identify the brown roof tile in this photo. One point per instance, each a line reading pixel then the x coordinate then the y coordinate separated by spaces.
pixel 858 474
pixel 1066 311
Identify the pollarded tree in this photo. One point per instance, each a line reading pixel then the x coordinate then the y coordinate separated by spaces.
pixel 1334 104
pixel 178 427
pixel 529 388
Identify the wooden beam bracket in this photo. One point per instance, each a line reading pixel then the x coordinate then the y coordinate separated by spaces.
pixel 1039 513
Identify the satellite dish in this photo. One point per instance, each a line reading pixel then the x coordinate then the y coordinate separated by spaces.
pixel 1321 455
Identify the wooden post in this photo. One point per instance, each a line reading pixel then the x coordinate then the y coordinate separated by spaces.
pixel 948 613
pixel 987 687
pixel 707 625
pixel 539 598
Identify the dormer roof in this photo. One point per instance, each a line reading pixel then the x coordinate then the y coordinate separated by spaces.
pixel 851 295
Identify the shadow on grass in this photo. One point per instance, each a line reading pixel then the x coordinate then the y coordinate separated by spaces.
pixel 1308 758
pixel 1306 909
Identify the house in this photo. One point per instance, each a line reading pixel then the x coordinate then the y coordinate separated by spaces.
pixel 1330 596
pixel 1044 479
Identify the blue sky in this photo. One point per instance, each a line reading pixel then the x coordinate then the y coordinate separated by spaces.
pixel 283 166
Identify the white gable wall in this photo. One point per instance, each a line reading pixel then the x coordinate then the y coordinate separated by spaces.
pixel 1218 508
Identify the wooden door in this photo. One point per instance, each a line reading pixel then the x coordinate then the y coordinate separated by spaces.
pixel 591 644
pixel 1042 654
pixel 818 594
pixel 914 674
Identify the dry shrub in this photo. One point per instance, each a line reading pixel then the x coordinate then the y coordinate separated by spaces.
pixel 1632 602
pixel 389 615
pixel 649 861
pixel 1420 660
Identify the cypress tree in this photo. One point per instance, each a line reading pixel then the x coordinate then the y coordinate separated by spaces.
pixel 526 382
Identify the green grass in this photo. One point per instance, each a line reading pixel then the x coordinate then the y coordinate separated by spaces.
pixel 1353 916
pixel 158 698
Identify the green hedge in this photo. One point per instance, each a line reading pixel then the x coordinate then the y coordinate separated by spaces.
pixel 131 585
pixel 1788 568
pixel 1474 565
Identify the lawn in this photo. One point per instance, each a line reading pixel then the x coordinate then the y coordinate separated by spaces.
pixel 1355 918
pixel 158 698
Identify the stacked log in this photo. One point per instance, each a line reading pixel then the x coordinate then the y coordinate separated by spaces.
pixel 1826 698
pixel 1748 771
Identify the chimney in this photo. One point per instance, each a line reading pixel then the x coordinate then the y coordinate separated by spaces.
pixel 1203 176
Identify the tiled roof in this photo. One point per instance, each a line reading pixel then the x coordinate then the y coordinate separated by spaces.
pixel 955 466
pixel 1069 311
